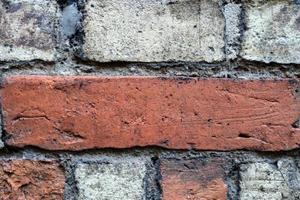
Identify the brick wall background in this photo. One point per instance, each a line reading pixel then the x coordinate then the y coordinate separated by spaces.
pixel 150 99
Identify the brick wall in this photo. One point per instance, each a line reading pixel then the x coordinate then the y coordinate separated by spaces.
pixel 150 99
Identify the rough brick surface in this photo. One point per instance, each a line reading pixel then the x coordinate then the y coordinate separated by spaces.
pixel 27 29
pixel 25 179
pixel 273 31
pixel 263 181
pixel 193 179
pixel 154 30
pixel 120 179
pixel 96 112
pixel 232 13
pixel 289 168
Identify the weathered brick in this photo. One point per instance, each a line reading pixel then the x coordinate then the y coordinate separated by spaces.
pixel 263 181
pixel 232 13
pixel 193 179
pixel 28 29
pixel 273 31
pixel 289 168
pixel 154 30
pixel 77 113
pixel 118 179
pixel 26 179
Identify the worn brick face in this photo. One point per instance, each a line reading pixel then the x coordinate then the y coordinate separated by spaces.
pixel 273 31
pixel 77 113
pixel 263 181
pixel 113 180
pixel 25 179
pixel 154 30
pixel 28 29
pixel 193 180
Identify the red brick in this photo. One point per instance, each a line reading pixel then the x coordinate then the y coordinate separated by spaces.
pixel 193 180
pixel 76 113
pixel 25 179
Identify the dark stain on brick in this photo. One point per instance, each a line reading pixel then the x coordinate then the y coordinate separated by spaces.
pixel 297 92
pixel 296 124
pixel 40 36
pixel 297 2
pixel 283 17
pixel 196 170
pixel 182 10
pixel 14 7
pixel 179 80
pixel 297 23
pixel 76 84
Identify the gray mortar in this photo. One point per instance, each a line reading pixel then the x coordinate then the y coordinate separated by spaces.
pixel 70 20
pixel 232 13
pixel 238 69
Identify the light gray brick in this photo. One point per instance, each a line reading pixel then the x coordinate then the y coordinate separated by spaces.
pixel 154 30
pixel 119 179
pixel 28 29
pixel 273 31
pixel 232 13
pixel 262 181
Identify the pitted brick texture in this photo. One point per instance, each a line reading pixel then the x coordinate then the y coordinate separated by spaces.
pixel 119 179
pixel 193 179
pixel 25 179
pixel 154 30
pixel 28 30
pixel 233 13
pixel 263 181
pixel 273 31
pixel 75 113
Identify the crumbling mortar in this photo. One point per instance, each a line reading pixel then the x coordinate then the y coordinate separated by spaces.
pixel 4 135
pixel 78 38
pixel 66 18
pixel 222 4
pixel 243 25
pixel 237 44
pixel 70 191
pixel 153 179
pixel 232 180
pixel 241 69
